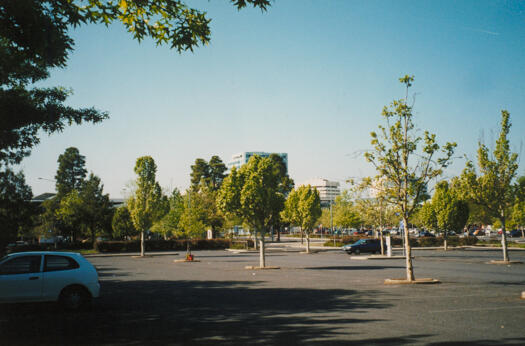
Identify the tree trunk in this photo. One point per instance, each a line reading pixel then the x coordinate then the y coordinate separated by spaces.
pixel 255 240
pixel 302 236
pixel 522 232
pixel 504 240
pixel 279 234
pixel 262 262
pixel 142 247
pixel 381 240
pixel 410 268
pixel 445 247
pixel 93 239
pixel 307 242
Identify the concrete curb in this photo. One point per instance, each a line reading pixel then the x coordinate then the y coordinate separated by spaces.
pixel 425 281
pixel 377 257
pixel 504 262
pixel 131 254
pixel 261 268
pixel 184 260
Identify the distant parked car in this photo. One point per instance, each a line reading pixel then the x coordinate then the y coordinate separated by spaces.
pixel 426 234
pixel 43 276
pixel 515 233
pixel 363 245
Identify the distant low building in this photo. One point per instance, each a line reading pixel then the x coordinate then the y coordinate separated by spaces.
pixel 240 159
pixel 328 190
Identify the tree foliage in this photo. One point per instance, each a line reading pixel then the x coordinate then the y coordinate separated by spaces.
pixel 406 170
pixel 15 207
pixel 345 215
pixel 168 225
pixel 494 188
pixel 206 175
pixel 148 204
pixel 255 194
pixel 34 38
pixel 71 171
pixel 122 224
pixel 303 208
pixel 86 211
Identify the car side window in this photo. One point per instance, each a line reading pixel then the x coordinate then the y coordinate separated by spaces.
pixel 21 265
pixel 55 262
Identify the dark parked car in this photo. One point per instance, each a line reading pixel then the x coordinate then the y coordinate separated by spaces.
pixel 363 245
pixel 426 234
pixel 515 233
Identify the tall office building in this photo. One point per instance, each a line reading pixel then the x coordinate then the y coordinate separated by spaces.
pixel 240 159
pixel 328 190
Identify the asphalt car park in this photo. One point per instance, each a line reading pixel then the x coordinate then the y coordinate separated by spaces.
pixel 324 298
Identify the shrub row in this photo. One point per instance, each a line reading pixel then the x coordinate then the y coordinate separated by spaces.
pixel 163 245
pixel 50 247
pixel 134 245
pixel 415 242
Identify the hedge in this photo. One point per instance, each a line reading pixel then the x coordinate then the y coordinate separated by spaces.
pixel 164 245
pixel 50 247
pixel 415 242
pixel 134 245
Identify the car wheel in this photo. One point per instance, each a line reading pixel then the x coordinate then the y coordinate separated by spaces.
pixel 74 298
pixel 357 251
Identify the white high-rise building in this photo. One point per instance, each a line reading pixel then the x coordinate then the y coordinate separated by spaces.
pixel 328 190
pixel 240 159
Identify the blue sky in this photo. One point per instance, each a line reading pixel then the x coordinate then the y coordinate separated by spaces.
pixel 309 78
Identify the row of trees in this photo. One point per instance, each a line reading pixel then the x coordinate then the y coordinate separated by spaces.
pixel 407 161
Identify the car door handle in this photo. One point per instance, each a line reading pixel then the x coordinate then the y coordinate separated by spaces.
pixel 33 278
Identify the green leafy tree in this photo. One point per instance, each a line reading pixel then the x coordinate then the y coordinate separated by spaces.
pixel 122 224
pixel 255 193
pixel 15 208
pixel 34 38
pixel 70 215
pixel 206 175
pixel 217 169
pixel 193 220
pixel 518 216
pixel 398 161
pixel 86 211
pixel 303 208
pixel 200 174
pixel 96 208
pixel 324 219
pixel 344 212
pixel 169 224
pixel 71 171
pixel 445 212
pixel 147 204
pixel 494 189
pixel 426 216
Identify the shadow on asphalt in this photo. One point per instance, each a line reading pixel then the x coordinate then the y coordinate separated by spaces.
pixel 194 313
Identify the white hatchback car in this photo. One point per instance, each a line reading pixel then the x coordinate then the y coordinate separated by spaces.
pixel 65 277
